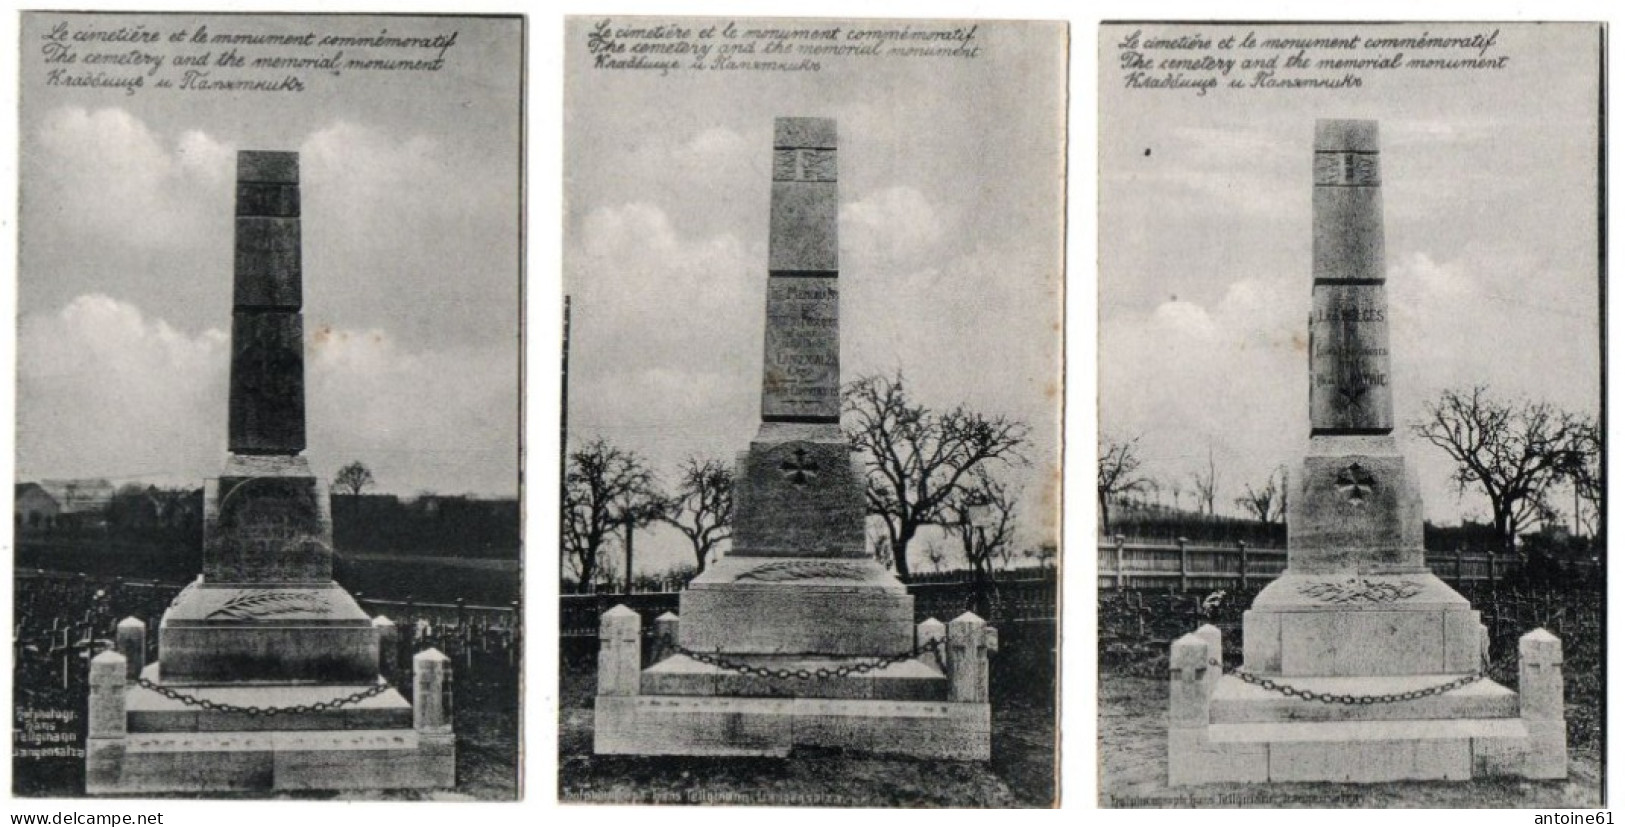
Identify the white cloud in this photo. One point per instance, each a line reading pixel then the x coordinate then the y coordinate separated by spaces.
pixel 123 183
pixel 105 390
pixel 896 227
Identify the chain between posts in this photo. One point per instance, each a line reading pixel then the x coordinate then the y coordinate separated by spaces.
pixel 269 711
pixel 1353 700
pixel 782 673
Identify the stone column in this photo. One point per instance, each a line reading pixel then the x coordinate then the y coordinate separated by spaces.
pixel 429 712
pixel 619 661
pixel 1357 508
pixel 131 637
pixel 1214 639
pixel 967 659
pixel 105 730
pixel 268 350
pixel 1190 692
pixel 932 629
pixel 389 646
pixel 666 626
pixel 1540 704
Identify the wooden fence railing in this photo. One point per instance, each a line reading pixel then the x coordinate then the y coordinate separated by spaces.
pixel 1185 566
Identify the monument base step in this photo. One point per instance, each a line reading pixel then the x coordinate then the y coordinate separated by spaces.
pixel 1238 702
pixel 149 711
pixel 699 725
pixel 1361 626
pixel 796 606
pixel 1366 751
pixel 260 761
pixel 909 680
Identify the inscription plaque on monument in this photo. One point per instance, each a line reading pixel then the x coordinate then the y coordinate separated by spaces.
pixel 802 367
pixel 1348 359
pixel 270 529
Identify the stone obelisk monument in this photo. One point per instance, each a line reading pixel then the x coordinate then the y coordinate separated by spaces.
pixel 797 636
pixel 1359 663
pixel 268 672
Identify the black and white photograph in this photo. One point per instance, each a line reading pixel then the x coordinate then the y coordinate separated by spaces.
pixel 1351 521
pixel 267 458
pixel 810 483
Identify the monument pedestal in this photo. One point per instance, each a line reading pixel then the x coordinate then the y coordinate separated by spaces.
pixel 231 737
pixel 795 606
pixel 1364 729
pixel 932 705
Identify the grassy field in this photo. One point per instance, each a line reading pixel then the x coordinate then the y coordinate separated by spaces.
pixel 1133 749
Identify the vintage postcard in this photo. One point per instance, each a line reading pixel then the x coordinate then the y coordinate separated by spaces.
pixel 1351 512
pixel 813 281
pixel 268 389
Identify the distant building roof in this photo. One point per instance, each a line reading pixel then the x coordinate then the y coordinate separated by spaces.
pixel 79 496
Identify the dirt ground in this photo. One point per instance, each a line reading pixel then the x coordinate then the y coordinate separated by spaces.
pixel 1134 770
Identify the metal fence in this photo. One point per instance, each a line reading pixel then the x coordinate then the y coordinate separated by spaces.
pixel 1185 566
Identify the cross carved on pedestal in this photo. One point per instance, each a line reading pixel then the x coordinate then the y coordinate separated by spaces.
pixel 799 469
pixel 1355 483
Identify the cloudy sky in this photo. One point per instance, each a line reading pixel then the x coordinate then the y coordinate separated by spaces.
pixel 1489 195
pixel 950 243
pixel 410 185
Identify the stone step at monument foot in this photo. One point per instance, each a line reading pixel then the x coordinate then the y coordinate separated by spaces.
pixel 1359 751
pixel 670 725
pixel 266 761
pixel 151 712
pixel 1238 702
pixel 267 633
pixel 1349 625
pixel 909 680
pixel 797 606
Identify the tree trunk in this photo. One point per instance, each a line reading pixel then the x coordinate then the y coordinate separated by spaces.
pixel 700 553
pixel 1105 521
pixel 1504 530
pixel 899 552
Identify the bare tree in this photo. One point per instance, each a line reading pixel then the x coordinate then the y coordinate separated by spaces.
pixel 935 556
pixel 1513 453
pixel 604 488
pixel 1117 472
pixel 1584 474
pixel 1267 502
pixel 1206 482
pixel 353 478
pixel 982 515
pixel 917 458
pixel 703 507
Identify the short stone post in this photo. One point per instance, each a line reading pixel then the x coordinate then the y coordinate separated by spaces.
pixel 431 718
pixel 131 641
pixel 105 725
pixel 389 646
pixel 1540 704
pixel 1189 693
pixel 1214 639
pixel 928 630
pixel 429 712
pixel 967 659
pixel 619 660
pixel 665 636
